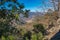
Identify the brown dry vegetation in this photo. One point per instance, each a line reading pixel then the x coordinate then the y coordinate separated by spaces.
pixel 46 20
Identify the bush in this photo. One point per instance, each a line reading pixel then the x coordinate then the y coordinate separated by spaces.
pixel 8 38
pixel 39 28
pixel 11 37
pixel 33 37
pixel 3 38
pixel 38 36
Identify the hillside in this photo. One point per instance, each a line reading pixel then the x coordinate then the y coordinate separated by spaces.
pixel 48 20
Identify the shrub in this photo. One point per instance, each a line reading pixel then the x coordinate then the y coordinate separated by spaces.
pixel 39 28
pixel 33 37
pixel 8 38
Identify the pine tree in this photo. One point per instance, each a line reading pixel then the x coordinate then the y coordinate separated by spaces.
pixel 7 15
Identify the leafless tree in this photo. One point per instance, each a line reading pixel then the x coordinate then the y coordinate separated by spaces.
pixel 56 6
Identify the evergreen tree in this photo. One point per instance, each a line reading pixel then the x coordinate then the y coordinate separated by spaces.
pixel 7 15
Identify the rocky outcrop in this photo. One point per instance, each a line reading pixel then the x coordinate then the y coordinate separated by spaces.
pixel 53 30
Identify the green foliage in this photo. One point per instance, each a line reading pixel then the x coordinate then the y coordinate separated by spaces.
pixel 40 36
pixel 10 37
pixel 11 13
pixel 26 38
pixel 27 35
pixel 34 36
pixel 17 16
pixel 26 13
pixel 39 28
pixel 3 38
pixel 6 16
pixel 23 31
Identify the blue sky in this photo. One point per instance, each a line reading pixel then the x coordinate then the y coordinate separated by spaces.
pixel 34 5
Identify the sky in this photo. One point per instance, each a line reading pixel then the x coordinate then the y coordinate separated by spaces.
pixel 34 5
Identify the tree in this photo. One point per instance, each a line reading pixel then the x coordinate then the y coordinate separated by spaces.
pixel 49 11
pixel 56 6
pixel 7 15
